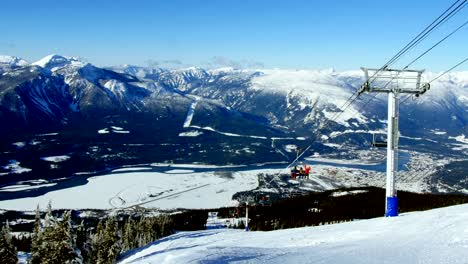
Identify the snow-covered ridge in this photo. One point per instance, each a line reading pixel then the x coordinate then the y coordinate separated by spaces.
pixel 54 62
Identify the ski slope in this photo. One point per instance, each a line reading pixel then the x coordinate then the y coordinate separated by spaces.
pixel 436 236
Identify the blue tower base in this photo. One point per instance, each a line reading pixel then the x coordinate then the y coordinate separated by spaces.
pixel 392 207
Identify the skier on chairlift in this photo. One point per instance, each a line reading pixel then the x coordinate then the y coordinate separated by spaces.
pixel 307 171
pixel 294 173
pixel 301 173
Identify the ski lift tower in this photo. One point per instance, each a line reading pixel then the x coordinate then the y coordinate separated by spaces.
pixel 393 82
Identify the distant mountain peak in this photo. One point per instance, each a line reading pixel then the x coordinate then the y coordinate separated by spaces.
pixel 12 61
pixel 54 62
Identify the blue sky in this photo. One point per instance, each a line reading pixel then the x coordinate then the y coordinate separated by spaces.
pixel 272 34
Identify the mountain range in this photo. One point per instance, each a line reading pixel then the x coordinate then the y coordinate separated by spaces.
pixel 110 116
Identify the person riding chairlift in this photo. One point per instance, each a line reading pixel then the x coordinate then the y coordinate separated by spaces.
pixel 301 172
pixel 307 171
pixel 294 172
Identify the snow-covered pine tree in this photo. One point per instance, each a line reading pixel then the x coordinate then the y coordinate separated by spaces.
pixel 83 243
pixel 53 242
pixel 97 247
pixel 8 254
pixel 49 219
pixel 107 242
pixel 129 235
pixel 113 237
pixel 36 239
pixel 63 247
pixel 166 226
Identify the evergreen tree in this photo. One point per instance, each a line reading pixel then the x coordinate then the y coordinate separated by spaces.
pixel 49 219
pixel 8 252
pixel 96 243
pixel 107 242
pixel 53 242
pixel 166 226
pixel 62 242
pixel 113 239
pixel 36 239
pixel 83 243
pixel 129 235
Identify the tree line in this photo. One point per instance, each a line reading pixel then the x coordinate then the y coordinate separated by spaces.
pixel 55 240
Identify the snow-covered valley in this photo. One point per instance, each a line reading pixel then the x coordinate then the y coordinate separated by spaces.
pixel 197 186
pixel 109 118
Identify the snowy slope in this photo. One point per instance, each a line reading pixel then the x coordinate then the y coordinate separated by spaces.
pixel 436 236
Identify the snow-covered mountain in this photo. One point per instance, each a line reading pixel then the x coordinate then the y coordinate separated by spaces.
pixel 12 61
pixel 8 63
pixel 221 116
pixel 55 62
pixel 295 100
pixel 435 236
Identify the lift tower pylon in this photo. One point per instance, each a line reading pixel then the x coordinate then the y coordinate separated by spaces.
pixel 393 82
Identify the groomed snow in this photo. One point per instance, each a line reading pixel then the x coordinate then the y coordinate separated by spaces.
pixel 436 236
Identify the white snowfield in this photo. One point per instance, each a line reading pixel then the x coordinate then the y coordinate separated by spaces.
pixel 173 188
pixel 436 236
